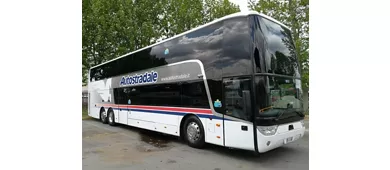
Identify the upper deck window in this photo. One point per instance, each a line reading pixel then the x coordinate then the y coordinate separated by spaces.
pixel 280 56
pixel 236 40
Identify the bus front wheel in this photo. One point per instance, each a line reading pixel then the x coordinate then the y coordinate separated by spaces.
pixel 194 132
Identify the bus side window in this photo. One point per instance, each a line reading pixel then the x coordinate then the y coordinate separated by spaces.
pixel 257 60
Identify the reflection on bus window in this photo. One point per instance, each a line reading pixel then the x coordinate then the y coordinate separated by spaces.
pixel 237 98
pixel 284 93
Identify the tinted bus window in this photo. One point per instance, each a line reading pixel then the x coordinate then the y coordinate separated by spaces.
pixel 203 44
pixel 130 63
pixel 280 57
pixel 194 95
pixel 160 95
pixel 96 74
pixel 179 94
pixel 138 61
pixel 236 38
pixel 259 47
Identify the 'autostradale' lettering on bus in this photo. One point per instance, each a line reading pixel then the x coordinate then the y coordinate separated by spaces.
pixel 148 77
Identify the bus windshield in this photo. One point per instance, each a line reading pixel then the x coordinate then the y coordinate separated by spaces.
pixel 282 94
pixel 281 90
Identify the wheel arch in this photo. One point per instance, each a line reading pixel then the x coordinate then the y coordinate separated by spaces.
pixel 110 109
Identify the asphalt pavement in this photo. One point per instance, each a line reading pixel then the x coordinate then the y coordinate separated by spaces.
pixel 124 147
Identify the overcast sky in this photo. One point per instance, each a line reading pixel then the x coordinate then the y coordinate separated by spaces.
pixel 242 3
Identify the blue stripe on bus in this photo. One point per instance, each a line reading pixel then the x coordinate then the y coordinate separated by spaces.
pixel 171 113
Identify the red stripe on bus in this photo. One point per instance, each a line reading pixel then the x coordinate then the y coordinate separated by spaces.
pixel 174 109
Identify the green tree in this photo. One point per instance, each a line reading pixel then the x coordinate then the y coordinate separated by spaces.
pixel 179 16
pixel 214 9
pixel 112 28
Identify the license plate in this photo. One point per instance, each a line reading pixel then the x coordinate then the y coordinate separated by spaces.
pixel 288 140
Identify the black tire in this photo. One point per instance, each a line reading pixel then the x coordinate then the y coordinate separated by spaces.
pixel 255 154
pixel 103 118
pixel 111 118
pixel 198 142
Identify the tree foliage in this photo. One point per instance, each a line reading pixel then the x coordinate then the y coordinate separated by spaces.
pixel 218 8
pixel 111 28
pixel 294 14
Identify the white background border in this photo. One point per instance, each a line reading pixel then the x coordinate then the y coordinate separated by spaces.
pixel 349 84
pixel 40 68
pixel 40 50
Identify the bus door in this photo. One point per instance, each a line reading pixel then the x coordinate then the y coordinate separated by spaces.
pixel 123 109
pixel 123 112
pixel 238 113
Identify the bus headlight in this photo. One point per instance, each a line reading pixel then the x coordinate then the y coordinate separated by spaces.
pixel 267 130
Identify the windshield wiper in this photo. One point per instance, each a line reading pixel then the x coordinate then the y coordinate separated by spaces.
pixel 282 112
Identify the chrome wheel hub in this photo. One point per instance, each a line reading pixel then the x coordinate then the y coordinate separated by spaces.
pixel 193 131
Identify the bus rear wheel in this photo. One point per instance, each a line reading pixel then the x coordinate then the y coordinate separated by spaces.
pixel 111 118
pixel 103 116
pixel 194 132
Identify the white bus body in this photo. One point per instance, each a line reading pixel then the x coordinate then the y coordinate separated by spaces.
pixel 129 98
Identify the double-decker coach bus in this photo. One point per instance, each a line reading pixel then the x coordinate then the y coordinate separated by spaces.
pixel 233 82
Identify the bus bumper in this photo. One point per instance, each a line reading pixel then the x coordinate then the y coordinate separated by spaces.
pixel 267 143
